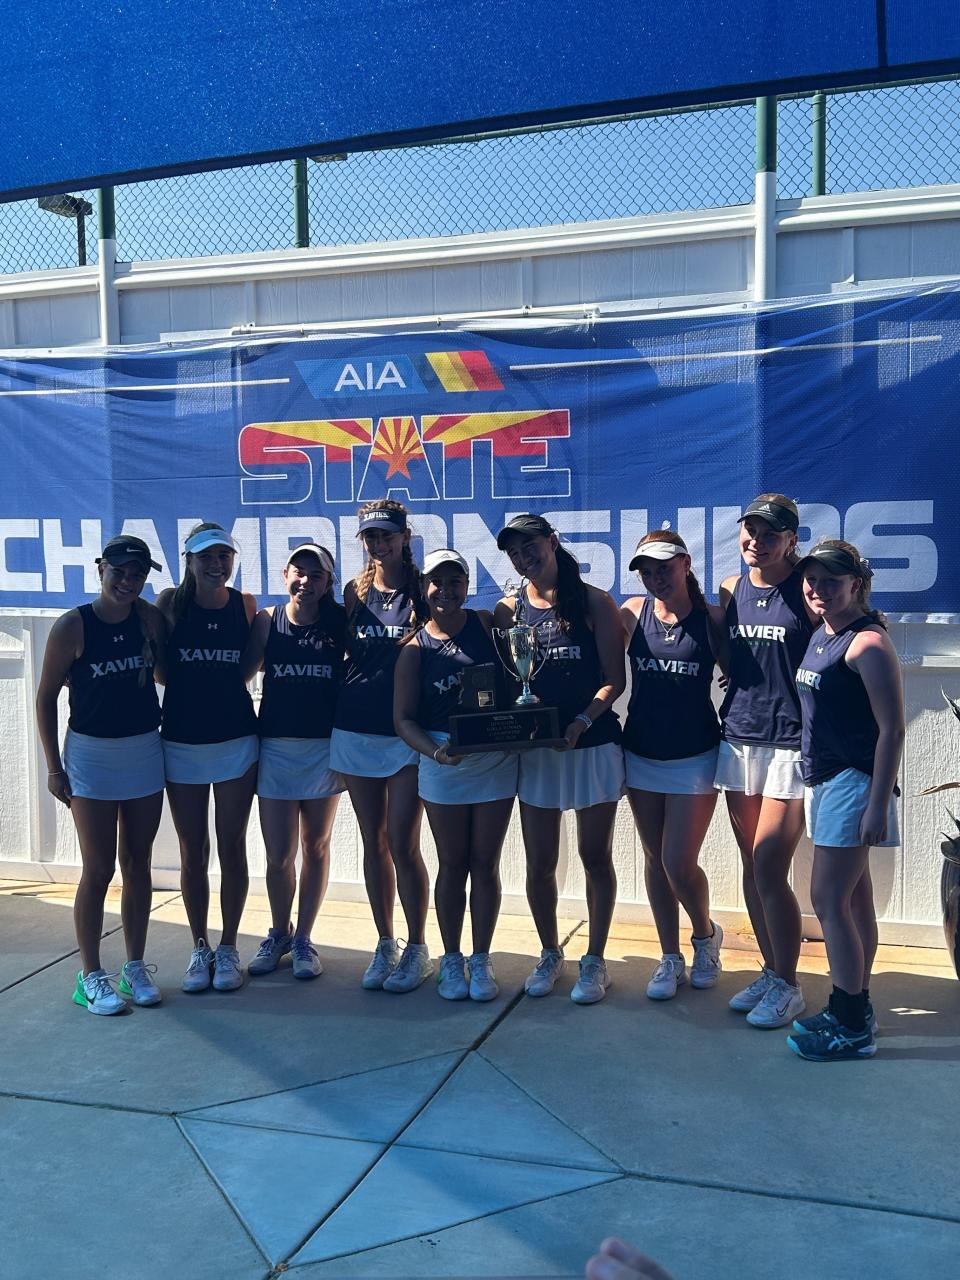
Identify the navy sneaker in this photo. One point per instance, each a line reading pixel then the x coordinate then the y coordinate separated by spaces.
pixel 833 1044
pixel 825 1019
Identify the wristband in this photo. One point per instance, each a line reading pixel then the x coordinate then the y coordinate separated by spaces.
pixel 56 773
pixel 585 719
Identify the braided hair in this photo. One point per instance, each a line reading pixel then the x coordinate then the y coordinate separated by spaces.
pixel 411 584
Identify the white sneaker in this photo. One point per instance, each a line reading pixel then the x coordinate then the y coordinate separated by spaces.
pixel 451 981
pixel 306 960
pixel 706 967
pixel 780 1005
pixel 270 952
pixel 227 974
pixel 413 968
pixel 592 984
pixel 385 960
pixel 95 994
pixel 544 977
pixel 200 970
pixel 483 985
pixel 751 996
pixel 669 974
pixel 135 980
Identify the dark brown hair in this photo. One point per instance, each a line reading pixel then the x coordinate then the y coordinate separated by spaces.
pixel 411 585
pixel 187 587
pixel 694 590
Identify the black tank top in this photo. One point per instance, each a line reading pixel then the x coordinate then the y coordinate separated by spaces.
pixel 839 729
pixel 206 699
pixel 670 715
pixel 769 630
pixel 441 664
pixel 107 699
pixel 374 632
pixel 302 671
pixel 571 674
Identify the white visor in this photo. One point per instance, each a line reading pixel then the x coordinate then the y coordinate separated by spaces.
pixel 209 538
pixel 656 551
pixel 314 549
pixel 434 559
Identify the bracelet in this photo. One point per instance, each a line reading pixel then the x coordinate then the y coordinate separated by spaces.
pixel 437 752
pixel 585 719
pixel 56 773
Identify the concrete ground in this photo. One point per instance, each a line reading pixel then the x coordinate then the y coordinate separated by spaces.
pixel 317 1129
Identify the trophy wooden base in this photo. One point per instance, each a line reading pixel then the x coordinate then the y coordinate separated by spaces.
pixel 514 729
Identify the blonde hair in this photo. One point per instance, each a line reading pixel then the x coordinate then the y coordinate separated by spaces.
pixel 187 587
pixel 781 499
pixel 412 585
pixel 862 595
pixel 694 590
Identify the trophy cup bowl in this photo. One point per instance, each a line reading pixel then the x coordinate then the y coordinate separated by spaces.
pixel 522 643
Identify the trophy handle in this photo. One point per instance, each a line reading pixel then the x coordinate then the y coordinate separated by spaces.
pixel 500 636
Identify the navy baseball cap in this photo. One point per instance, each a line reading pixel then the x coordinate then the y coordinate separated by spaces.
pixel 836 560
pixel 383 518
pixel 781 518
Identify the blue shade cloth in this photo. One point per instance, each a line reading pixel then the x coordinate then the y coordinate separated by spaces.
pixel 609 428
pixel 94 93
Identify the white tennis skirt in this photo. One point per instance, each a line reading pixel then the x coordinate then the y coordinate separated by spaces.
pixel 485 775
pixel 204 762
pixel 369 755
pixel 297 769
pixel 759 771
pixel 834 809
pixel 114 768
pixel 689 776
pixel 574 779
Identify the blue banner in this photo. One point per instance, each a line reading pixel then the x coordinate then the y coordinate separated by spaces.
pixel 609 427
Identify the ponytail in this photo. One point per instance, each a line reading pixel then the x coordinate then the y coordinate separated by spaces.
pixel 572 606
pixel 187 587
pixel 149 650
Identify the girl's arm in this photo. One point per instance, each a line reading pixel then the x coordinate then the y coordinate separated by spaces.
pixel 165 606
pixel 872 656
pixel 155 625
pixel 608 632
pixel 406 696
pixel 629 617
pixel 252 659
pixel 717 634
pixel 250 606
pixel 64 646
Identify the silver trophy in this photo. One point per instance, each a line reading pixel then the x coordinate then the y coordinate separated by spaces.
pixel 526 653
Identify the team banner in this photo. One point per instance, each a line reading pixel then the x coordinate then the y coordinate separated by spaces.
pixel 608 427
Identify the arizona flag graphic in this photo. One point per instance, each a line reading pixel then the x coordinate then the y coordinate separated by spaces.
pixel 397 461
pixel 464 370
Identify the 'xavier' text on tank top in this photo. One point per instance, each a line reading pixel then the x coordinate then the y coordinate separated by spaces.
pixel 209 655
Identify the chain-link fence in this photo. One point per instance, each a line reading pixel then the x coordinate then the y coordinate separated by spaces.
pixel 902 136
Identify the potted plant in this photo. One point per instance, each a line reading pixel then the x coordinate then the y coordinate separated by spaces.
pixel 950 876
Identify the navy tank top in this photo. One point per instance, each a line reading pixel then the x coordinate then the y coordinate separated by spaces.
pixel 571 674
pixel 206 699
pixel 769 630
pixel 839 729
pixel 107 699
pixel 374 632
pixel 441 665
pixel 670 714
pixel 302 671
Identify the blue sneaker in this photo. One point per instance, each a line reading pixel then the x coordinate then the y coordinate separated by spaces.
pixel 826 1020
pixel 833 1044
pixel 271 951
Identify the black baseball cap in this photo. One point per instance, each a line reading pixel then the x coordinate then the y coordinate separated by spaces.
pixel 524 524
pixel 781 518
pixel 836 560
pixel 122 550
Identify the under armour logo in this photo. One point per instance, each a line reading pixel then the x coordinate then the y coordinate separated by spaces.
pixel 761 604
pixel 117 639
pixel 212 626
pixel 819 648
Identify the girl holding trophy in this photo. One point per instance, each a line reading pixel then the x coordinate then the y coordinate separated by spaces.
pixel 468 798
pixel 582 673
pixel 384 605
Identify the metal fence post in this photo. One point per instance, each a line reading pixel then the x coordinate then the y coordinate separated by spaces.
pixel 765 202
pixel 818 124
pixel 106 264
pixel 301 211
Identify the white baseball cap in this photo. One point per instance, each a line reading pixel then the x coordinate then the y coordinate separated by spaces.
pixel 434 559
pixel 209 538
pixel 314 549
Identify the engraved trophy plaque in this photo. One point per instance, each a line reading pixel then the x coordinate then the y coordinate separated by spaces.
pixel 489 721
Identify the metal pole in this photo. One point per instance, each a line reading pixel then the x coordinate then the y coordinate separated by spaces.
pixel 301 212
pixel 818 122
pixel 765 202
pixel 81 240
pixel 106 267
